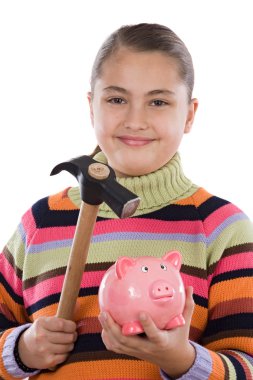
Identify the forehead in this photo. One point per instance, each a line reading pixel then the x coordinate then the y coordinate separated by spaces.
pixel 149 69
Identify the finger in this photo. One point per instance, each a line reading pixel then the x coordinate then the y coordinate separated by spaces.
pixel 149 327
pixel 57 359
pixel 59 324
pixel 62 338
pixel 62 348
pixel 108 323
pixel 189 303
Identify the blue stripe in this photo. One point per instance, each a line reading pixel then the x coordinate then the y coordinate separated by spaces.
pixel 22 233
pixel 232 219
pixel 36 248
pixel 193 238
pixel 116 236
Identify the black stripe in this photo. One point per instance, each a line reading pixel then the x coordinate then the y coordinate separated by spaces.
pixel 173 213
pixel 54 298
pixel 210 205
pixel 242 321
pixel 201 301
pixel 54 218
pixel 92 345
pixel 44 217
pixel 239 273
pixel 89 342
pixel 5 323
pixel 240 374
pixel 57 218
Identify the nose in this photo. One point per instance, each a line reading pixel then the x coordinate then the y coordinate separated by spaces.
pixel 135 118
pixel 161 289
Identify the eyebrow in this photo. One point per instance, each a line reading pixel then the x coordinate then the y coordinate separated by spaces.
pixel 122 90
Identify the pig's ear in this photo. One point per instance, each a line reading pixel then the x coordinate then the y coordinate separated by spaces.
pixel 174 258
pixel 123 264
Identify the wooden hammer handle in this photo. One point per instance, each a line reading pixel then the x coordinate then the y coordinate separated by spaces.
pixel 77 260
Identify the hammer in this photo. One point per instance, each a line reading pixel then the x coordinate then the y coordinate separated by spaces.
pixel 97 184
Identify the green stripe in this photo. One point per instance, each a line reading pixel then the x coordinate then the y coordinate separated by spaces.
pixel 193 254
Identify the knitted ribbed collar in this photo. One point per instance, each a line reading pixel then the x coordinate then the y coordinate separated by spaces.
pixel 155 190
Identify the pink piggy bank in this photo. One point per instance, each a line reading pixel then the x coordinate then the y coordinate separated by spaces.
pixel 148 284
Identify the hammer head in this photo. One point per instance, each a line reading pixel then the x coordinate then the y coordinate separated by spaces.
pixel 98 184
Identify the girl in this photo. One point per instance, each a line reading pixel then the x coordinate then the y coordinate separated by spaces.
pixel 141 105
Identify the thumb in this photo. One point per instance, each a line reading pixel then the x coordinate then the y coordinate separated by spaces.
pixel 189 303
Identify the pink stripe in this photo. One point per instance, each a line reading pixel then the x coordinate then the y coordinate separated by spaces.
pixel 11 277
pixel 147 225
pixel 199 285
pixel 235 262
pixel 119 225
pixel 54 233
pixel 29 225
pixel 218 217
pixel 54 285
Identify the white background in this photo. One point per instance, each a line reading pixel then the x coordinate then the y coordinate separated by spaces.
pixel 46 52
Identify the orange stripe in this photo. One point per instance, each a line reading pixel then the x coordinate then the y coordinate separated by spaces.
pixel 199 317
pixel 61 201
pixel 243 344
pixel 18 311
pixel 196 199
pixel 85 307
pixel 48 311
pixel 218 370
pixel 101 369
pixel 238 286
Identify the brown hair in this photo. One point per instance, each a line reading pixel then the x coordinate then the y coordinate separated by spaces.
pixel 147 37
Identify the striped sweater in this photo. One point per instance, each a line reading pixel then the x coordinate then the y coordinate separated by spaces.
pixel 214 237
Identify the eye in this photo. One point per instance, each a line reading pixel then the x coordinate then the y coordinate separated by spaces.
pixel 158 103
pixel 163 267
pixel 116 101
pixel 144 269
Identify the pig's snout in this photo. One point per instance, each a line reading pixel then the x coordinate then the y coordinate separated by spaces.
pixel 161 290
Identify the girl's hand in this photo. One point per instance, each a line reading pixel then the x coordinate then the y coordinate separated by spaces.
pixel 169 349
pixel 47 342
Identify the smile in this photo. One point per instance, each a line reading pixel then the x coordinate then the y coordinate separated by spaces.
pixel 135 141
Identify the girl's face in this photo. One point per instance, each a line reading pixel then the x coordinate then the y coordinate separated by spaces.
pixel 140 111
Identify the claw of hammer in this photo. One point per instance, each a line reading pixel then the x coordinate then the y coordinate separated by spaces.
pixel 98 184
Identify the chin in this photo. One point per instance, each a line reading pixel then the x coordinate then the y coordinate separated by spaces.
pixel 133 172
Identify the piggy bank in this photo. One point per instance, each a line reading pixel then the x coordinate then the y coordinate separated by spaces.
pixel 149 284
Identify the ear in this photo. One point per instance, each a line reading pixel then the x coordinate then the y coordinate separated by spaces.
pixel 174 258
pixel 89 97
pixel 193 106
pixel 122 265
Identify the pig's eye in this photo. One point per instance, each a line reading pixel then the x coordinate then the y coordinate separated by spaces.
pixel 163 267
pixel 144 269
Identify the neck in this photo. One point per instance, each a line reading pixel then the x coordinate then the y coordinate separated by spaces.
pixel 156 190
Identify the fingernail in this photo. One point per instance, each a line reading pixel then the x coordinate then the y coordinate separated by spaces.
pixel 102 317
pixel 143 316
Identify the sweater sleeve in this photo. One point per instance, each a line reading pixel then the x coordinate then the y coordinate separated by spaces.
pixel 12 309
pixel 228 337
pixel 225 350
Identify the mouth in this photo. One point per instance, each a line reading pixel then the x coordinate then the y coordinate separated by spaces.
pixel 163 299
pixel 135 140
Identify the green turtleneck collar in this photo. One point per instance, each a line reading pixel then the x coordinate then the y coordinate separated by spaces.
pixel 156 190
